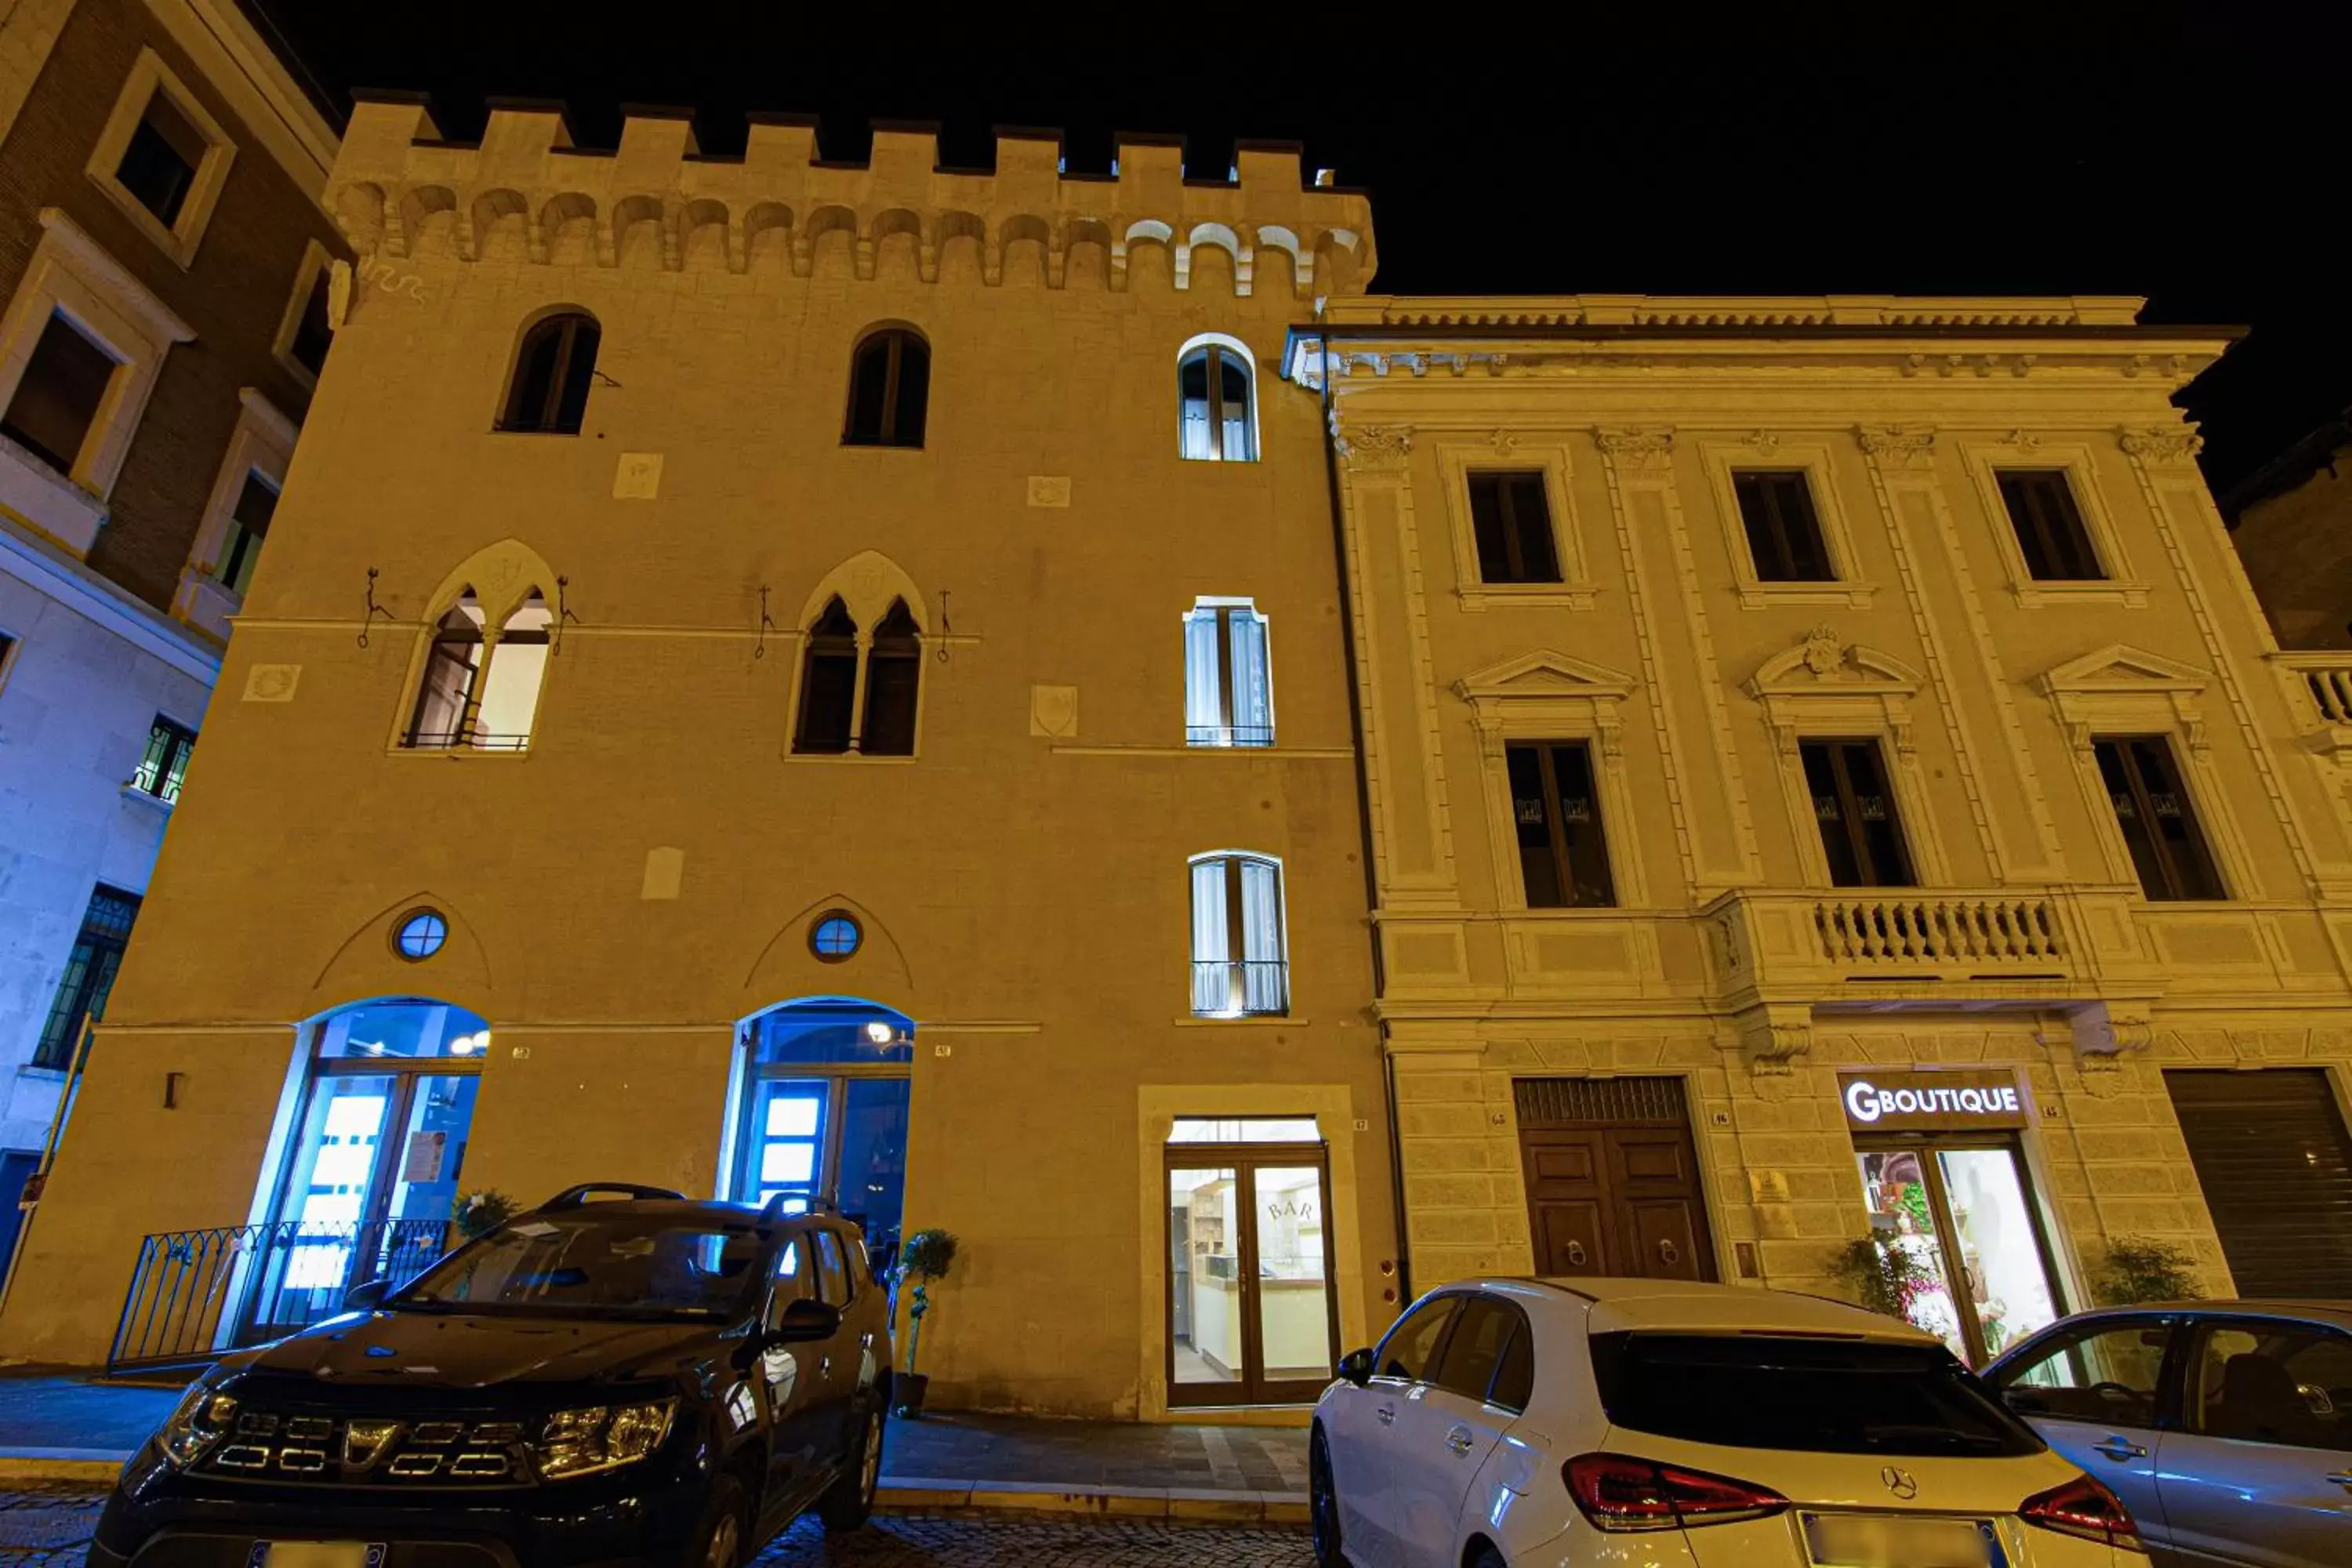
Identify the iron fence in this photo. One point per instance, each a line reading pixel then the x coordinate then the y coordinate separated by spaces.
pixel 196 1293
pixel 1234 988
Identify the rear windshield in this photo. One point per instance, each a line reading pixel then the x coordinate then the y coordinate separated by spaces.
pixel 1836 1397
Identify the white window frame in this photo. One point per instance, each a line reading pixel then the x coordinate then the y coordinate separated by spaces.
pixel 1227 860
pixel 1985 461
pixel 70 273
pixel 1552 697
pixel 1765 453
pixel 316 261
pixel 148 76
pixel 1228 702
pixel 1504 451
pixel 263 444
pixel 1249 363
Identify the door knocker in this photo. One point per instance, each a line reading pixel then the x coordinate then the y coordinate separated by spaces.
pixel 1667 1253
pixel 1576 1255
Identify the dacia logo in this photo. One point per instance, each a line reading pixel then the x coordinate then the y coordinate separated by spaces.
pixel 364 1443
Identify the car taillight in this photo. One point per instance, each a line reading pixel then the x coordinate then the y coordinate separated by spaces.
pixel 2083 1508
pixel 1618 1493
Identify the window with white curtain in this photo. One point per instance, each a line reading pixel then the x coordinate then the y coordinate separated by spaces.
pixel 1240 955
pixel 1228 684
pixel 1213 390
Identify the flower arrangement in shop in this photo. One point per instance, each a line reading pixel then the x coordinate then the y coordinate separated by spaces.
pixel 2141 1269
pixel 1883 1277
pixel 925 1257
pixel 480 1212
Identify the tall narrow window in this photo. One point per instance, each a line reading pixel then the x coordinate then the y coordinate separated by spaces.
pixel 557 359
pixel 313 332
pixel 444 715
pixel 828 683
pixel 160 163
pixel 164 763
pixel 2049 524
pixel 894 673
pixel 1512 519
pixel 90 976
pixel 1563 859
pixel 1860 833
pixel 1212 386
pixel 2159 825
pixel 1228 685
pixel 248 525
pixel 1784 534
pixel 889 390
pixel 515 666
pixel 57 400
pixel 1240 958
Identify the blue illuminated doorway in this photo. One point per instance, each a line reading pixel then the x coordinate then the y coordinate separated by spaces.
pixel 823 1118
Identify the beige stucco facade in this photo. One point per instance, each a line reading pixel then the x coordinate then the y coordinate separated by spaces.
pixel 628 888
pixel 1729 962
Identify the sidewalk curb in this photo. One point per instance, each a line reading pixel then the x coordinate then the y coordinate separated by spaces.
pixel 915 1494
pixel 61 1466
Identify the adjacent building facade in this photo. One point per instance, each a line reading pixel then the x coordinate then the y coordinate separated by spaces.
pixel 1829 777
pixel 2292 522
pixel 799 683
pixel 164 267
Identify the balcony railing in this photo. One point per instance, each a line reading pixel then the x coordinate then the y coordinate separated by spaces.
pixel 1229 734
pixel 1938 929
pixel 197 1292
pixel 473 738
pixel 1240 988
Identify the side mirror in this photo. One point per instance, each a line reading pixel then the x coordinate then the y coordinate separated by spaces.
pixel 366 1298
pixel 806 1320
pixel 1356 1366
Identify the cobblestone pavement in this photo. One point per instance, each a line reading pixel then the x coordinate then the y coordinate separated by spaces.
pixel 38 1528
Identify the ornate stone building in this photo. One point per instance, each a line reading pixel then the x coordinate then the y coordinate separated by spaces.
pixel 1827 771
pixel 793 681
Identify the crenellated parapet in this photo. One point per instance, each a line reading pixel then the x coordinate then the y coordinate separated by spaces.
pixel 524 191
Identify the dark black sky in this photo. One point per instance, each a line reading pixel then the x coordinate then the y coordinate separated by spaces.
pixel 2203 162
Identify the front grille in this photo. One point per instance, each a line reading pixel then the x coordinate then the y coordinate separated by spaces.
pixel 371 1450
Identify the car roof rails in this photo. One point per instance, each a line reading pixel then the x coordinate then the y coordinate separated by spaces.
pixel 774 1209
pixel 576 1197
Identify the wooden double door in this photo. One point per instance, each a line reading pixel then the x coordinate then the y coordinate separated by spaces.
pixel 1616 1197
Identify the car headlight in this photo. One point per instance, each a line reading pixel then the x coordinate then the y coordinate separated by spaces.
pixel 205 1417
pixel 583 1442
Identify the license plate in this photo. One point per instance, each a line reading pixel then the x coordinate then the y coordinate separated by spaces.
pixel 315 1554
pixel 1898 1540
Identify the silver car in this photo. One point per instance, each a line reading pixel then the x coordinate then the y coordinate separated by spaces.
pixel 2225 1426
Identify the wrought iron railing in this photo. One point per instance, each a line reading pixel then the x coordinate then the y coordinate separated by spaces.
pixel 473 738
pixel 1229 734
pixel 1943 929
pixel 1237 988
pixel 198 1292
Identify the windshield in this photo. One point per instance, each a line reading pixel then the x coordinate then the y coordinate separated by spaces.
pixel 1830 1396
pixel 608 1266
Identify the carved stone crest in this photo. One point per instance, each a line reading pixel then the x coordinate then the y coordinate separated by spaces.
pixel 1641 448
pixel 1898 446
pixel 1373 445
pixel 1825 651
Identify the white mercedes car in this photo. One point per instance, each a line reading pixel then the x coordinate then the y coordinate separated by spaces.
pixel 1649 1423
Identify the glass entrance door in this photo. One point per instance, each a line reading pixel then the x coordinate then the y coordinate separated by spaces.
pixel 1251 1316
pixel 822 1117
pixel 1960 1212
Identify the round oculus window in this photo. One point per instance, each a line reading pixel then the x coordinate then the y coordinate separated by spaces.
pixel 419 935
pixel 835 937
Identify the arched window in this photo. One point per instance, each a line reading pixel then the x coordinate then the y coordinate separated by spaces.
pixel 444 697
pixel 889 388
pixel 552 368
pixel 481 690
pixel 1212 386
pixel 1240 954
pixel 894 673
pixel 828 683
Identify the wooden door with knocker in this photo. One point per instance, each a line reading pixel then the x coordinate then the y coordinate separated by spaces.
pixel 1616 1200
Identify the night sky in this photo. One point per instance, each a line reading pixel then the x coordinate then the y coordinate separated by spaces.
pixel 2203 169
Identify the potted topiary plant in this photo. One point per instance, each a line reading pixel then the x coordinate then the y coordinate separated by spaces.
pixel 1882 1278
pixel 924 1257
pixel 2141 1269
pixel 480 1213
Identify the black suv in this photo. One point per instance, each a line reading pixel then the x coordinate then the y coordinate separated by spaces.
pixel 634 1379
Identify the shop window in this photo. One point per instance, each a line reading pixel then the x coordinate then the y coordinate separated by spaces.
pixel 1214 389
pixel 889 390
pixel 2049 523
pixel 1784 534
pixel 1862 834
pixel 1963 1217
pixel 1511 516
pixel 248 525
pixel 2158 822
pixel 81 997
pixel 547 393
pixel 57 401
pixel 1228 685
pixel 1556 811
pixel 1250 1313
pixel 163 766
pixel 1240 962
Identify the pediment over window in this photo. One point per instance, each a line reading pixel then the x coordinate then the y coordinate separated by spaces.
pixel 1544 674
pixel 1825 665
pixel 2124 670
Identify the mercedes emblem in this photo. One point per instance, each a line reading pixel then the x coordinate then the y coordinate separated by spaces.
pixel 1900 1482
